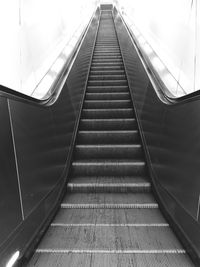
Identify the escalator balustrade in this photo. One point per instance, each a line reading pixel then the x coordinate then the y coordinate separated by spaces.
pixel 109 216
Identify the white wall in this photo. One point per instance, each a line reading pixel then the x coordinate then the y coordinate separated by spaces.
pixel 33 33
pixel 172 28
pixel 9 44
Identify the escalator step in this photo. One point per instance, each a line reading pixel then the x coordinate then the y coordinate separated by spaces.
pixel 109 200
pixel 107 57
pixel 107 77
pixel 107 96
pixel 108 124
pixel 108 137
pixel 108 184
pixel 107 82
pixel 108 167
pixel 107 67
pixel 110 72
pixel 111 239
pixel 107 104
pixel 108 151
pixel 107 89
pixel 107 113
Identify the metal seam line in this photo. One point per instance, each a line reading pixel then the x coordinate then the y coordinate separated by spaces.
pixel 110 206
pixel 131 251
pixel 118 163
pixel 198 208
pixel 72 185
pixel 110 225
pixel 16 163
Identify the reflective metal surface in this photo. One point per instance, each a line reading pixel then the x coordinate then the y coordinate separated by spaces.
pixel 171 134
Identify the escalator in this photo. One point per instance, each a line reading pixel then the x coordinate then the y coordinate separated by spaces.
pixel 109 216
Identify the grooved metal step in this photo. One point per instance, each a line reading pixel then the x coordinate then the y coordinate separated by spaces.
pixel 108 124
pixel 107 82
pixel 107 77
pixel 107 89
pixel 114 200
pixel 107 113
pixel 107 96
pixel 108 167
pixel 107 104
pixel 108 137
pixel 103 60
pixel 108 151
pixel 110 57
pixel 107 67
pixel 81 258
pixel 109 72
pixel 109 184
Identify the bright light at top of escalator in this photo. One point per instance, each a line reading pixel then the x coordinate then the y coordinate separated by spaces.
pixel 43 87
pixel 170 82
pixel 67 51
pixel 58 65
pixel 147 48
pixel 157 63
pixel 141 40
pixel 13 259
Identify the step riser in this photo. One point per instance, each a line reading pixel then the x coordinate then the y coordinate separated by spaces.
pixel 107 45
pixel 108 152
pixel 108 189
pixel 107 82
pixel 108 50
pixel 108 125
pixel 107 104
pixel 108 72
pixel 109 89
pixel 108 138
pixel 107 77
pixel 108 170
pixel 107 54
pixel 111 216
pixel 108 57
pixel 112 42
pixel 96 96
pixel 105 60
pixel 106 67
pixel 106 64
pixel 102 54
pixel 103 114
